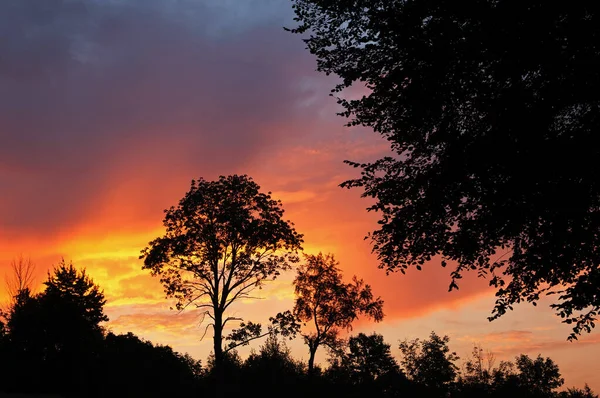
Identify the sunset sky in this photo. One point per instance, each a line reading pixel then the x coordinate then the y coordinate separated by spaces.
pixel 108 110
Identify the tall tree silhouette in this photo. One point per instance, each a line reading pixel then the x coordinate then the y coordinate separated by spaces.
pixel 492 110
pixel 223 240
pixel 328 304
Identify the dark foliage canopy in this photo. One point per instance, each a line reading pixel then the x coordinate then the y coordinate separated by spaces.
pixel 491 109
pixel 429 362
pixel 57 333
pixel 368 365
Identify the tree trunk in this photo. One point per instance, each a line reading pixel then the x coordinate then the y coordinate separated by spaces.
pixel 311 360
pixel 218 349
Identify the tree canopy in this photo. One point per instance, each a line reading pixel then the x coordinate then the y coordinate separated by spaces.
pixel 223 240
pixel 491 109
pixel 58 332
pixel 365 359
pixel 429 362
pixel 328 304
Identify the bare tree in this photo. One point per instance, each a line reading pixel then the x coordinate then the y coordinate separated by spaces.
pixel 479 367
pixel 20 278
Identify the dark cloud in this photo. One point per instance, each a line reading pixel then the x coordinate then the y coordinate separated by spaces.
pixel 93 90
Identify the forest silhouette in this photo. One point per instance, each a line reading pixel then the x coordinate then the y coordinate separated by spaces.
pixel 225 239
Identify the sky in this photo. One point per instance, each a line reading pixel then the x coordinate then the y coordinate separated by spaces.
pixel 108 110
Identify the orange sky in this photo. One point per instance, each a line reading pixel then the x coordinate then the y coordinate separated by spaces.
pixel 89 168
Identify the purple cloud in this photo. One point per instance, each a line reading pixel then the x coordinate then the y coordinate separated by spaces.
pixel 93 89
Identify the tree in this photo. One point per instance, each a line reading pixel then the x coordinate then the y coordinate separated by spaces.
pixel 368 358
pixel 366 367
pixel 329 304
pixel 491 108
pixel 479 377
pixel 479 368
pixel 58 333
pixel 273 370
pixel 132 367
pixel 21 278
pixel 585 392
pixel 82 299
pixel 223 240
pixel 429 362
pixel 540 376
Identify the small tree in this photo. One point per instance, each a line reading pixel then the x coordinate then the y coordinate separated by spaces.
pixel 329 304
pixel 479 368
pixel 273 364
pixel 22 277
pixel 585 392
pixel 223 240
pixel 83 300
pixel 368 358
pixel 429 362
pixel 539 376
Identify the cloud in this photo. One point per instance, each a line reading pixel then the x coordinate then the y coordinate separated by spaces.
pixel 508 336
pixel 102 100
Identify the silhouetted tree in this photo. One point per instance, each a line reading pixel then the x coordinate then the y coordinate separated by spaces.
pixel 480 378
pixel 478 374
pixel 367 366
pixel 328 304
pixel 369 358
pixel 539 377
pixel 274 371
pixel 75 289
pixel 430 363
pixel 223 240
pixel 585 392
pixel 21 277
pixel 57 333
pixel 492 110
pixel 137 368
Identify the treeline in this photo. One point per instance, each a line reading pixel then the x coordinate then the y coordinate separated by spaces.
pixel 53 342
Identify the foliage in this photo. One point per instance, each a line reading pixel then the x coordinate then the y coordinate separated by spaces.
pixel 127 366
pixel 369 358
pixel 223 240
pixel 58 330
pixel 274 365
pixel 284 324
pixel 479 369
pixel 491 109
pixel 75 289
pixel 329 304
pixel 540 376
pixel 367 365
pixel 429 362
pixel 136 368
pixel 585 392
